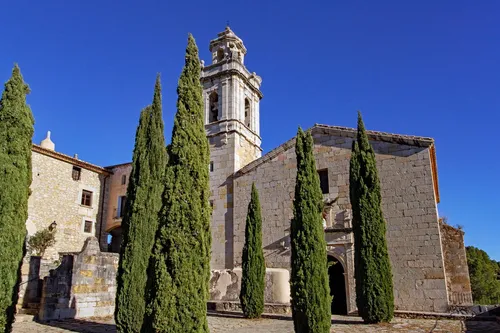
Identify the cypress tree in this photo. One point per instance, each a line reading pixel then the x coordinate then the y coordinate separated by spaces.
pixel 374 291
pixel 254 266
pixel 16 133
pixel 310 289
pixel 180 269
pixel 140 220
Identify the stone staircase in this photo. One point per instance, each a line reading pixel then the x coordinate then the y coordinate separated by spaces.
pixel 30 309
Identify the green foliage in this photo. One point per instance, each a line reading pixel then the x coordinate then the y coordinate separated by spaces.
pixel 483 273
pixel 254 267
pixel 309 283
pixel 140 220
pixel 16 132
pixel 41 241
pixel 374 290
pixel 180 266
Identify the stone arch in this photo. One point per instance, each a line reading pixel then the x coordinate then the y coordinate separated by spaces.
pixel 248 112
pixel 337 273
pixel 220 55
pixel 116 238
pixel 213 107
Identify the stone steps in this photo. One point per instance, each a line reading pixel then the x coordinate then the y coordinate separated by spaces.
pixel 24 318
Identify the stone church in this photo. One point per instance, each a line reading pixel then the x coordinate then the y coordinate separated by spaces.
pixel 428 257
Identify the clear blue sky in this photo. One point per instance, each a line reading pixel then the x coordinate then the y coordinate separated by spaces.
pixel 429 68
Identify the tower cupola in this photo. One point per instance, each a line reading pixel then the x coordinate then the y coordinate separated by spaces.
pixel 227 46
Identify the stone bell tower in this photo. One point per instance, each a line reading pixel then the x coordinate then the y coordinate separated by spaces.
pixel 232 96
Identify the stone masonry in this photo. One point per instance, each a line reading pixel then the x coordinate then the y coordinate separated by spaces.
pixel 56 199
pixel 84 285
pixel 409 205
pixel 231 94
pixel 455 262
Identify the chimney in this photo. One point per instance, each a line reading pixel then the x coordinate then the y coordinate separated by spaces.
pixel 75 156
pixel 47 143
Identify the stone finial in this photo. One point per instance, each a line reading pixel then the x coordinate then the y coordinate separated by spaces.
pixel 47 143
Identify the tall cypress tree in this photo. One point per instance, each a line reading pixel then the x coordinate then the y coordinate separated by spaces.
pixel 254 266
pixel 140 221
pixel 180 269
pixel 16 133
pixel 310 289
pixel 374 291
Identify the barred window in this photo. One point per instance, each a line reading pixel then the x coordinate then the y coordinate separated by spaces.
pixel 76 173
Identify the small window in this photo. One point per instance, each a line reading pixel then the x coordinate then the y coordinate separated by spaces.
pixel 247 112
pixel 124 179
pixel 87 227
pixel 323 180
pixel 76 174
pixel 86 198
pixel 211 168
pixel 211 206
pixel 220 55
pixel 214 107
pixel 122 200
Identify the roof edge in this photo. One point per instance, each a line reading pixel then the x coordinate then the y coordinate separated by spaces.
pixel 69 159
pixel 409 140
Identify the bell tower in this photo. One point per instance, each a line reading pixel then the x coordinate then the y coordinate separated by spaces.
pixel 231 96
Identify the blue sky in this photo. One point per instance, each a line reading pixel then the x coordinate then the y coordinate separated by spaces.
pixel 428 68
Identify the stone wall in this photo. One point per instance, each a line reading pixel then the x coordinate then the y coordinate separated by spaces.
pixel 225 285
pixel 221 199
pixel 57 197
pixel 408 202
pixel 457 270
pixel 84 285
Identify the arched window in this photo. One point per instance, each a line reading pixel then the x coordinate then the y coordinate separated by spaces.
pixel 220 55
pixel 124 179
pixel 213 113
pixel 247 112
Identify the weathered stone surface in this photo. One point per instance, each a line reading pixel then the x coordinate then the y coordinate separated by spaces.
pixel 83 286
pixel 56 197
pixel 457 270
pixel 409 206
pixel 225 285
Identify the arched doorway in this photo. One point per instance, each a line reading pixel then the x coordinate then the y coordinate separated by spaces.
pixel 116 240
pixel 337 286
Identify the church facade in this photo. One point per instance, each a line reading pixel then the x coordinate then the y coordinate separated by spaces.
pixel 428 258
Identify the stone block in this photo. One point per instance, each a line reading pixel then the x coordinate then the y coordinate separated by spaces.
pixel 225 285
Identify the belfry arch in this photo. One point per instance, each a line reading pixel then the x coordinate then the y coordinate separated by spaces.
pixel 213 107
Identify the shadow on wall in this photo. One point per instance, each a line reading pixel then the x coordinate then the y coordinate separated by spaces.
pixel 83 286
pixel 56 292
pixel 33 291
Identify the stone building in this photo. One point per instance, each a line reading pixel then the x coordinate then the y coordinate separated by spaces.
pixel 428 258
pixel 66 197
